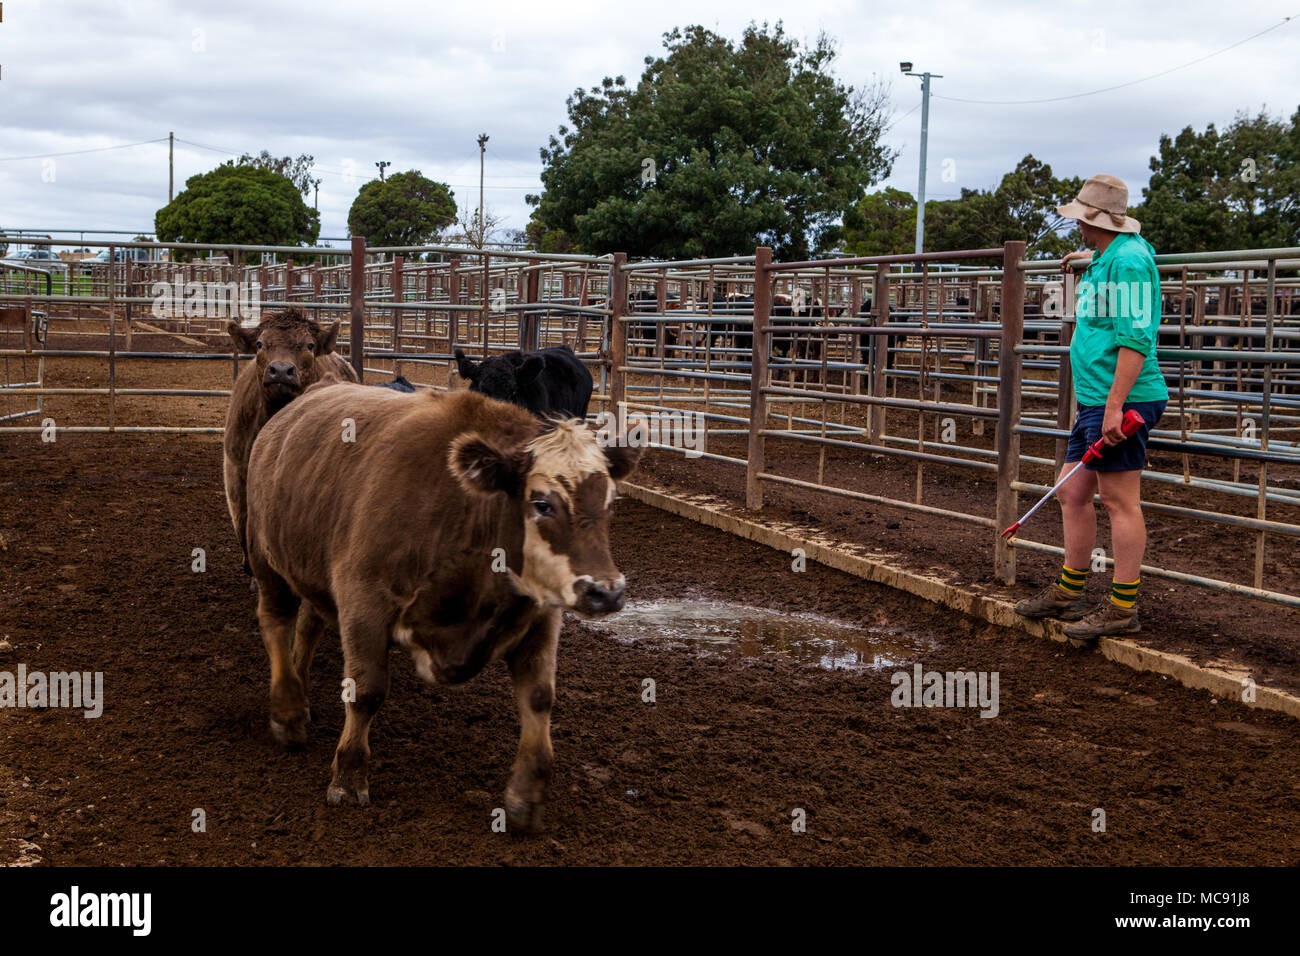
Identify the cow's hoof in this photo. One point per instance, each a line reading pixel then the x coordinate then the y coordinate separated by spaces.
pixel 290 734
pixel 338 796
pixel 522 815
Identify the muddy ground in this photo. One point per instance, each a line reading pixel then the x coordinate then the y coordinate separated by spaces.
pixel 1211 627
pixel 95 574
pixel 96 542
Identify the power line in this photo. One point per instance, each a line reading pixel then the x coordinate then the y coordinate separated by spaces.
pixel 356 173
pixel 234 152
pixel 1119 86
pixel 78 152
pixel 215 149
pixel 901 118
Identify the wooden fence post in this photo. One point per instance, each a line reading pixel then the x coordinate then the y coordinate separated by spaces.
pixel 485 291
pixel 315 288
pixel 531 318
pixel 453 298
pixel 879 354
pixel 617 337
pixel 399 264
pixel 112 338
pixel 755 459
pixel 1064 387
pixel 357 299
pixel 1008 440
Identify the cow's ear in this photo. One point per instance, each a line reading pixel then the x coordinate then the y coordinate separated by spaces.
pixel 482 468
pixel 622 460
pixel 465 367
pixel 326 341
pixel 245 339
pixel 531 368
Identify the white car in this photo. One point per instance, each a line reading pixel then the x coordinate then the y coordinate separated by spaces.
pixel 121 255
pixel 37 259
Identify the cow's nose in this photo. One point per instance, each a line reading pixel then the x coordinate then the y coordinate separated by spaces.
pixel 281 373
pixel 605 597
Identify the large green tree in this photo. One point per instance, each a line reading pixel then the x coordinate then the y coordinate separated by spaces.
pixel 880 224
pixel 719 147
pixel 406 209
pixel 1235 189
pixel 238 204
pixel 1023 206
pixel 539 237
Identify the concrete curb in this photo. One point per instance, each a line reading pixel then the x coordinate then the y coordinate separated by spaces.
pixel 875 565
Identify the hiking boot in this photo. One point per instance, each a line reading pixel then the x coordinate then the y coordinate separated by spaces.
pixel 1053 601
pixel 1104 620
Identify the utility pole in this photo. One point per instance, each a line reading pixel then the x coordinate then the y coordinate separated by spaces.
pixel 381 164
pixel 482 225
pixel 906 68
pixel 171 164
pixel 315 203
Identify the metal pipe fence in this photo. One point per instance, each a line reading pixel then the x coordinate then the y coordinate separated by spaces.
pixel 867 359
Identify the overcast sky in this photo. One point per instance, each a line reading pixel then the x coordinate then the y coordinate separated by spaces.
pixel 415 83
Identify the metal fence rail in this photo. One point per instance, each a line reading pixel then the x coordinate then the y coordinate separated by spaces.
pixel 874 356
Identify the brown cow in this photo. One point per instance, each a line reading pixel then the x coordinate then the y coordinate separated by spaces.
pixel 453 525
pixel 293 353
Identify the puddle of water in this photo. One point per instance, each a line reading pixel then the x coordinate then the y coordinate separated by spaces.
pixel 743 631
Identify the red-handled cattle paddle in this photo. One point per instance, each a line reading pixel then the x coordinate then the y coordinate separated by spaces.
pixel 1132 422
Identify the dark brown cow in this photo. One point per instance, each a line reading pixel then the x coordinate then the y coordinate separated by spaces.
pixel 453 525
pixel 293 353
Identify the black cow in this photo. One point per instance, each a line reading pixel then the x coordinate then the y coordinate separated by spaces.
pixel 398 384
pixel 549 383
pixel 785 311
pixel 723 330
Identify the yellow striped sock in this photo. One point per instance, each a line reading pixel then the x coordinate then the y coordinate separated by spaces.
pixel 1072 580
pixel 1124 595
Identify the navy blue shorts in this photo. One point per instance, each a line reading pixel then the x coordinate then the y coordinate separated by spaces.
pixel 1128 455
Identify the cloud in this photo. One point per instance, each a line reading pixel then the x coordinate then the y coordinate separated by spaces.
pixel 414 84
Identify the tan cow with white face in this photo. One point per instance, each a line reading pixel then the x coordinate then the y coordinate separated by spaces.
pixel 454 526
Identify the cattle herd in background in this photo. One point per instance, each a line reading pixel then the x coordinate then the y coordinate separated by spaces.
pixel 721 325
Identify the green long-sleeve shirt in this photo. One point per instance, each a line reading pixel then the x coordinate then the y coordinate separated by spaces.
pixel 1118 307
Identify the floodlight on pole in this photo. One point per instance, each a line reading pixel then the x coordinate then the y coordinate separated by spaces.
pixel 906 68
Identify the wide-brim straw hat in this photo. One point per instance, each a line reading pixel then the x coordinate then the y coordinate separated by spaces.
pixel 1102 202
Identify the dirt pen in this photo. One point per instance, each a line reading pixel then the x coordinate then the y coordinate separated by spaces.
pixel 888 422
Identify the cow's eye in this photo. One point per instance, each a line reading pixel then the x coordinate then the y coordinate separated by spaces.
pixel 311 346
pixel 543 508
pixel 259 345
